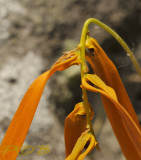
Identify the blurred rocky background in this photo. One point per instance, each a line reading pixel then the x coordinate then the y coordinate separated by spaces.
pixel 33 34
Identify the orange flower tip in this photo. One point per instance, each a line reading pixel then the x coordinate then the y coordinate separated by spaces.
pixel 68 59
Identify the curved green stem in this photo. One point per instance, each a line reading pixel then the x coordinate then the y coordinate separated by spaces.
pixel 116 36
pixel 83 72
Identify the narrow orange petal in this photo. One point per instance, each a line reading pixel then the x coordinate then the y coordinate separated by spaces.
pixel 126 130
pixel 106 70
pixel 22 119
pixel 75 125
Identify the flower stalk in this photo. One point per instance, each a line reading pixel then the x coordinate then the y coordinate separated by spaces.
pixel 83 72
pixel 115 35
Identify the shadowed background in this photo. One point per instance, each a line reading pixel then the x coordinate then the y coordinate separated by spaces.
pixel 33 34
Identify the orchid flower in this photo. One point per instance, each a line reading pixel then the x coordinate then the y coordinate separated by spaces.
pixel 79 134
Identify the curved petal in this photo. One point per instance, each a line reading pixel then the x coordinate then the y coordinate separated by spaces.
pixel 80 144
pixel 75 125
pixel 22 119
pixel 106 70
pixel 126 130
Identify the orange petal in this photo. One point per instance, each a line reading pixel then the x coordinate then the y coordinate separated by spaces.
pixel 22 119
pixel 126 130
pixel 79 146
pixel 75 124
pixel 106 70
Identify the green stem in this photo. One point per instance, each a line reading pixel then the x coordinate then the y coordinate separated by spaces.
pixel 83 72
pixel 117 37
pixel 83 69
